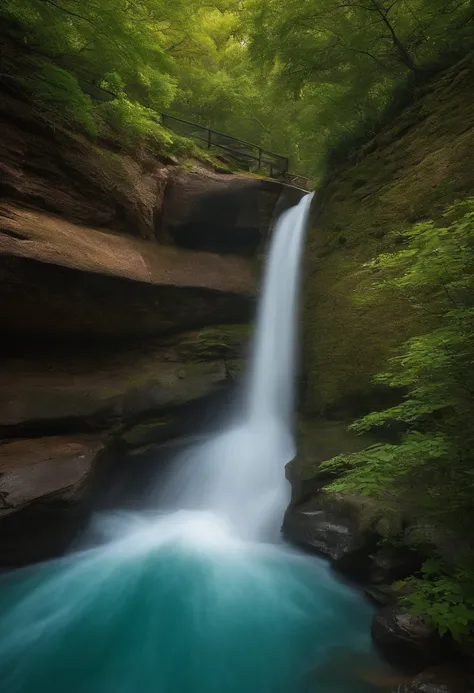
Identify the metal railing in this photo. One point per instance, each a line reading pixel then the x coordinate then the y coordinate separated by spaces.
pixel 245 154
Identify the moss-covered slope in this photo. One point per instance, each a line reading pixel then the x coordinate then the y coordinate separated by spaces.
pixel 409 172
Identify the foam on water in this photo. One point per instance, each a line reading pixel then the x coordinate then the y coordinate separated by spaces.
pixel 177 605
pixel 195 599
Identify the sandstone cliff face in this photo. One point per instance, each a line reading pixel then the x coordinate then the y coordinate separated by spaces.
pixel 126 288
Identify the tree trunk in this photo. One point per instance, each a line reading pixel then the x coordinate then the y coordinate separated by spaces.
pixel 403 52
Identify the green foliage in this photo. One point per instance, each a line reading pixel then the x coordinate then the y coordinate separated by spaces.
pixel 375 470
pixel 428 467
pixel 431 465
pixel 116 52
pixel 343 61
pixel 135 122
pixel 60 98
pixel 96 38
pixel 312 80
pixel 444 595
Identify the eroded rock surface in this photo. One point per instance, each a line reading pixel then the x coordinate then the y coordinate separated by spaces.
pixel 43 468
pixel 88 388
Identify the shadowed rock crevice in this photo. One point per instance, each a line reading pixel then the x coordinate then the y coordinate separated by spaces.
pixel 41 301
pixel 221 214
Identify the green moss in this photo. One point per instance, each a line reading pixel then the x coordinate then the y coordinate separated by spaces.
pixel 146 433
pixel 209 343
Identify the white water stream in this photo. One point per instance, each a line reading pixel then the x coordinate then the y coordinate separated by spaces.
pixel 239 474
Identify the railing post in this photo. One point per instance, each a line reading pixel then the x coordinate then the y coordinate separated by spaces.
pixel 259 159
pixel 209 132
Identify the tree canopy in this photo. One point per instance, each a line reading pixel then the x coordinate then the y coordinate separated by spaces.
pixel 298 77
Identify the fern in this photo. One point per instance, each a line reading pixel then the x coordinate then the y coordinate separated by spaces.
pixel 443 595
pixel 432 464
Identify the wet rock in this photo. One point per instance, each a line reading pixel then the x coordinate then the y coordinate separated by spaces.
pixel 439 680
pixel 406 641
pixel 146 433
pixel 38 469
pixel 331 526
pixel 318 440
pixel 391 563
pixel 43 482
pixel 381 595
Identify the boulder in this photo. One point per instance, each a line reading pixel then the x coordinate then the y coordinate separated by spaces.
pixel 42 481
pixel 331 526
pixel 40 469
pixel 406 641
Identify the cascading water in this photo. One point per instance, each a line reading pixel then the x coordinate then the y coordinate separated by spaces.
pixel 196 599
pixel 239 473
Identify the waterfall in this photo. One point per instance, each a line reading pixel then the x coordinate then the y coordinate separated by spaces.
pixel 239 473
pixel 270 386
pixel 199 597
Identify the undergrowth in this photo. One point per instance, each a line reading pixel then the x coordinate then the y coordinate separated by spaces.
pixel 444 595
pixel 429 469
pixel 60 100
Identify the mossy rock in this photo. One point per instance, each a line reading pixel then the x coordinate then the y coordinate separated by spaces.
pixel 221 341
pixel 145 433
pixel 318 440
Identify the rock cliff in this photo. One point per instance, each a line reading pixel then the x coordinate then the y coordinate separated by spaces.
pixel 126 287
pixel 408 173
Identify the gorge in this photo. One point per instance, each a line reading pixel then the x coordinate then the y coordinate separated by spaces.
pixel 191 499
